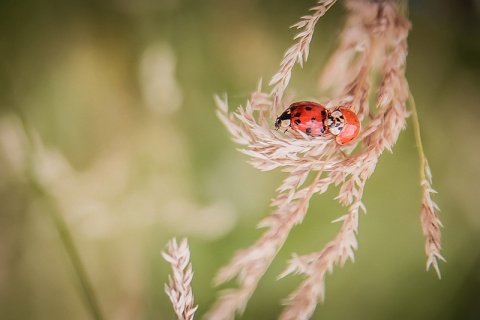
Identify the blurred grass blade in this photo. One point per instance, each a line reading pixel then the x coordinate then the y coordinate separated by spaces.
pixel 72 251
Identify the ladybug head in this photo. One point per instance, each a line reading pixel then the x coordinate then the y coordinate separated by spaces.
pixel 286 115
pixel 335 122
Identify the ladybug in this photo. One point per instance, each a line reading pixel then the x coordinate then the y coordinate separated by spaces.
pixel 343 123
pixel 305 116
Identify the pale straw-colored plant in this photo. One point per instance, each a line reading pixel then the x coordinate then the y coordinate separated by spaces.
pixel 373 45
pixel 179 288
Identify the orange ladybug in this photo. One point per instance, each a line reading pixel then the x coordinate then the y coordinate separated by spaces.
pixel 343 123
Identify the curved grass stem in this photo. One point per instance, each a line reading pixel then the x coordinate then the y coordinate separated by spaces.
pixel 63 230
pixel 71 249
pixel 418 138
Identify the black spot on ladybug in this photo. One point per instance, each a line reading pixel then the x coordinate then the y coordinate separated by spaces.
pixel 297 121
pixel 313 119
pixel 308 131
pixel 298 114
pixel 324 113
pixel 308 108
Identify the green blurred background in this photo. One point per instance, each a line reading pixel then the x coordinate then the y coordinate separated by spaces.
pixel 108 105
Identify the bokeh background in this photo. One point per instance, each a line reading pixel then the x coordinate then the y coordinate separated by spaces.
pixel 107 119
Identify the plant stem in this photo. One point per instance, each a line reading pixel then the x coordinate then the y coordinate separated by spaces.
pixel 62 229
pixel 72 252
pixel 418 138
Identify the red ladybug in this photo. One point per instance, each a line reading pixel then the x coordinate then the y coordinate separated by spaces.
pixel 305 116
pixel 343 123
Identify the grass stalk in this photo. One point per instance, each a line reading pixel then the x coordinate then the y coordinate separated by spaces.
pixel 418 138
pixel 64 232
pixel 71 249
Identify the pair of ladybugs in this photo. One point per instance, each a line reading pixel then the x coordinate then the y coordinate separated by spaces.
pixel 315 120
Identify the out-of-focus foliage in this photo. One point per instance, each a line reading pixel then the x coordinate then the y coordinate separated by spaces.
pixel 107 106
